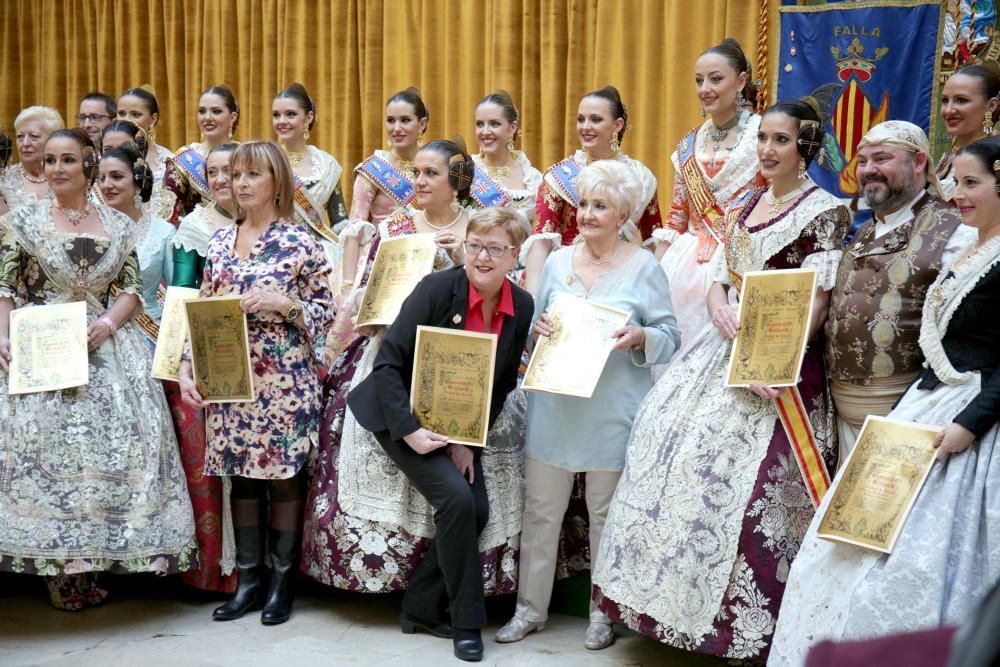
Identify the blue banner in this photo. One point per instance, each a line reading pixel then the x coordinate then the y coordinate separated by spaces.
pixel 865 63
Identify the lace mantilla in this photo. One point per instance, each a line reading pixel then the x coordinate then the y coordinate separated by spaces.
pixel 944 297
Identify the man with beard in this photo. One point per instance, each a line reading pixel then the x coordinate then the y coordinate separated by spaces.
pixel 873 324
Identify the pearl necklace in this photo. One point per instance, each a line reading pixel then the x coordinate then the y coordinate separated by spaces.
pixel 777 202
pixel 28 177
pixel 442 227
pixel 74 216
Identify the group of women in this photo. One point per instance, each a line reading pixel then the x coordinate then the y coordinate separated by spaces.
pixel 682 493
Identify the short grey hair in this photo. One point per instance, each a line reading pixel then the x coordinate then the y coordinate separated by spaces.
pixel 50 119
pixel 614 181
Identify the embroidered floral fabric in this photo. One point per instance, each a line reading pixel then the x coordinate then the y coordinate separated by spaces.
pixel 90 477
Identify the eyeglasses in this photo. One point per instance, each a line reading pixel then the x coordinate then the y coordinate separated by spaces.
pixel 92 118
pixel 495 251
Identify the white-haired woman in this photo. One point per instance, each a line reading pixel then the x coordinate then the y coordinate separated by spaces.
pixel 24 182
pixel 568 435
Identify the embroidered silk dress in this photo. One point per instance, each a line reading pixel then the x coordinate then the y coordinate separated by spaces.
pixel 699 181
pixel 189 247
pixel 711 507
pixel 90 477
pixel 13 187
pixel 523 198
pixel 271 437
pixel 366 527
pixel 555 206
pixel 947 556
pixel 371 204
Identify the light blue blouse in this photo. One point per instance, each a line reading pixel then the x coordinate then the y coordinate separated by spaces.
pixel 583 434
pixel 155 262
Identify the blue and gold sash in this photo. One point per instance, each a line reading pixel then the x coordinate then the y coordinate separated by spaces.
pixel 562 178
pixel 192 165
pixel 388 179
pixel 309 212
pixel 486 192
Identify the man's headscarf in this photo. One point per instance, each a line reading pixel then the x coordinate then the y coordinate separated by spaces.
pixel 905 135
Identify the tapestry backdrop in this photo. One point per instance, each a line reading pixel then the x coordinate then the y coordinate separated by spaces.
pixel 351 54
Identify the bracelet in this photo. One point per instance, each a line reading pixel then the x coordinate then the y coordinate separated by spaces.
pixel 107 320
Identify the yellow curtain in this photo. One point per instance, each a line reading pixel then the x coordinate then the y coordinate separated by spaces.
pixel 352 54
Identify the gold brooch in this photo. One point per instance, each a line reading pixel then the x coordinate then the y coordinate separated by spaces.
pixel 569 279
pixel 456 318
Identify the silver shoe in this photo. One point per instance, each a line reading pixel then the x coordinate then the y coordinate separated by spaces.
pixel 516 629
pixel 599 635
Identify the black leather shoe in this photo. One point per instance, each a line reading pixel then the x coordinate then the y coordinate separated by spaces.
pixel 468 645
pixel 249 595
pixel 409 624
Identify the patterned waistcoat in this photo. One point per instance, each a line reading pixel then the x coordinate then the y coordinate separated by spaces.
pixel 875 307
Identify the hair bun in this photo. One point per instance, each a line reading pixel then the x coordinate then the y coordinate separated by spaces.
pixel 6 148
pixel 413 90
pixel 148 87
pixel 991 65
pixel 460 142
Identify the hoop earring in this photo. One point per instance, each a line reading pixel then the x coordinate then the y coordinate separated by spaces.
pixel 988 122
pixel 740 100
pixel 802 168
pixel 305 135
pixel 615 144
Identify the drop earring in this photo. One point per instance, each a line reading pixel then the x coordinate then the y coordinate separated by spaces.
pixel 229 133
pixel 740 100
pixel 137 200
pixel 988 123
pixel 615 144
pixel 703 113
pixel 420 138
pixel 305 135
pixel 802 168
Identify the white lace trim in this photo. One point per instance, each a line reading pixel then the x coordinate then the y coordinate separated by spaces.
pixel 739 166
pixel 194 232
pixel 826 264
pixel 554 237
pixel 943 299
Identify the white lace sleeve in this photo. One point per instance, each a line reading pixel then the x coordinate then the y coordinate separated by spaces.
pixel 554 237
pixel 363 230
pixel 665 234
pixel 825 263
pixel 718 269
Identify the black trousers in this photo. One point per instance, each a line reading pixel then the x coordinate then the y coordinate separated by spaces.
pixel 449 576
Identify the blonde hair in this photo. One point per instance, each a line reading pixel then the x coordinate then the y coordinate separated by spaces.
pixel 267 155
pixel 50 119
pixel 614 181
pixel 512 221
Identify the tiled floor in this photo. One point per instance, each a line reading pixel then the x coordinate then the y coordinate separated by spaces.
pixel 151 623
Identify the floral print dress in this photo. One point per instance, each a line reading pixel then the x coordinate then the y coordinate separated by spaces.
pixel 271 437
pixel 90 477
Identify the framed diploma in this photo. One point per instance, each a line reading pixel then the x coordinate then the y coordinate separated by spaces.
pixel 775 309
pixel 453 383
pixel 173 334
pixel 220 349
pixel 571 360
pixel 399 265
pixel 48 348
pixel 879 483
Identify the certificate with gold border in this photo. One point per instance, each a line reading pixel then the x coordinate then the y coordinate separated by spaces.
pixel 220 349
pixel 48 348
pixel 775 309
pixel 453 383
pixel 570 361
pixel 173 333
pixel 879 483
pixel 399 265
